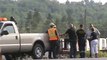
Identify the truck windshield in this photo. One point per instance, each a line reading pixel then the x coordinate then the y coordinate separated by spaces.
pixel 1 25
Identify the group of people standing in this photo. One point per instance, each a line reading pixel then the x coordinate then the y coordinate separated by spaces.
pixel 75 35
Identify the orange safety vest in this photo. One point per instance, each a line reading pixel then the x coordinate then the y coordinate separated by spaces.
pixel 52 34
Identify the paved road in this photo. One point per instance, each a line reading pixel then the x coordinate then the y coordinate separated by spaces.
pixel 46 55
pixel 67 59
pixel 79 59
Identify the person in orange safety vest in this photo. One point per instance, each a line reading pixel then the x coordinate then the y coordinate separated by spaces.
pixel 54 41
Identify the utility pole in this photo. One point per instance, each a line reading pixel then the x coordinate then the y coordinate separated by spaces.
pixel 85 18
pixel 85 15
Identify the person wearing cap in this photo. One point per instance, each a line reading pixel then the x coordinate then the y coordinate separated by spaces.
pixel 54 41
pixel 72 39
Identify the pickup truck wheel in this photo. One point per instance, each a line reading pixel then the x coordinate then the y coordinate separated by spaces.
pixel 38 51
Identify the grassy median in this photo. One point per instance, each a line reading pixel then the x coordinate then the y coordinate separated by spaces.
pixel 100 54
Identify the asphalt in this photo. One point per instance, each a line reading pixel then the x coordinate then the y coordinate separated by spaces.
pixel 64 59
pixel 46 58
pixel 79 59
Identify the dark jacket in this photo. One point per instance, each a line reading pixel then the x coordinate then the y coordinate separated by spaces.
pixel 71 33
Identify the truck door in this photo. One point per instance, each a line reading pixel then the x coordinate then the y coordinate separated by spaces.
pixel 9 42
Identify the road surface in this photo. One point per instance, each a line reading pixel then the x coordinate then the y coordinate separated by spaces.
pixel 46 58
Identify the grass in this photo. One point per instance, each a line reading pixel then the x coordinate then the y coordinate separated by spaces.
pixel 100 54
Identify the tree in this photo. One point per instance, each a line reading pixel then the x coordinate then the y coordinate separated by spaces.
pixel 36 18
pixel 28 22
pixel 46 11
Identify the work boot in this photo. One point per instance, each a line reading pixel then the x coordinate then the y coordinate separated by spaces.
pixel 82 55
pixel 96 55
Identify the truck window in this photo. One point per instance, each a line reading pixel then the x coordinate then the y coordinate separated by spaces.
pixel 9 28
pixel 1 25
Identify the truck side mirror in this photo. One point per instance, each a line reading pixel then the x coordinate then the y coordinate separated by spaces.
pixel 4 32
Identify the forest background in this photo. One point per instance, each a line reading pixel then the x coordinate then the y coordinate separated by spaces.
pixel 35 15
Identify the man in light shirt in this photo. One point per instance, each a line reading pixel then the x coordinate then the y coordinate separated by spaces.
pixel 88 34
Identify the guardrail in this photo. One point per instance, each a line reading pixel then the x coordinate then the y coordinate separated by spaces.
pixel 102 42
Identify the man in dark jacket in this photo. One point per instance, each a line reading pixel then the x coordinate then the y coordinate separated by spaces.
pixel 73 40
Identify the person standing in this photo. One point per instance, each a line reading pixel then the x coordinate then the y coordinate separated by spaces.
pixel 88 34
pixel 94 43
pixel 73 40
pixel 81 41
pixel 54 41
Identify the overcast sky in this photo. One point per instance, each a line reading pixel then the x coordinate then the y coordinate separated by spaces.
pixel 103 1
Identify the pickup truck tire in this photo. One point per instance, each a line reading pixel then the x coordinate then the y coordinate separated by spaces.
pixel 38 51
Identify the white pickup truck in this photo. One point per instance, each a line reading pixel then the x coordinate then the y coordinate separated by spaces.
pixel 12 42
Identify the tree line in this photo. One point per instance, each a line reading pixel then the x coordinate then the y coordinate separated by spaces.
pixel 35 15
